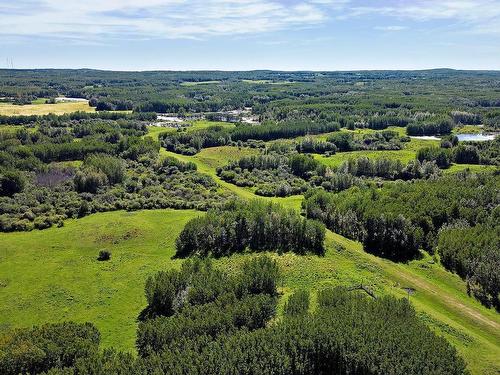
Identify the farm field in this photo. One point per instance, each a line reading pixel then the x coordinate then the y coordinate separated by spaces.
pixel 43 109
pixel 188 84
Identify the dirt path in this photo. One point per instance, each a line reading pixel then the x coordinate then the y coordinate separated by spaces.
pixel 464 310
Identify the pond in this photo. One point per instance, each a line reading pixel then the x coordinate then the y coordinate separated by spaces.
pixel 475 137
pixel 426 137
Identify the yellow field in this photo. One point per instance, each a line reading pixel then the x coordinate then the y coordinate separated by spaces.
pixel 44 109
pixel 198 83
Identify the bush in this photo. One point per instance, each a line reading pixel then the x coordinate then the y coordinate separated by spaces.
pixel 11 182
pixel 297 304
pixel 104 255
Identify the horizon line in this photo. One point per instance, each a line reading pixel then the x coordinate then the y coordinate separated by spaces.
pixel 258 70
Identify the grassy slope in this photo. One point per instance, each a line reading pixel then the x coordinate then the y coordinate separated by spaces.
pixel 53 275
pixel 44 109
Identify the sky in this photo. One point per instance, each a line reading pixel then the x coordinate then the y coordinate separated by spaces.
pixel 248 35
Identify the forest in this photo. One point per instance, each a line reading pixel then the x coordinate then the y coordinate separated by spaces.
pixel 250 222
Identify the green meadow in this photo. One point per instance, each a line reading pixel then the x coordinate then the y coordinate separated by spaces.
pixel 54 275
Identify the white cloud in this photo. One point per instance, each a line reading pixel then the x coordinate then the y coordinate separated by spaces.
pixel 155 18
pixel 390 28
pixel 477 15
pixel 98 20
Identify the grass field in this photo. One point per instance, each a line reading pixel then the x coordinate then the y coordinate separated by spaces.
pixel 198 83
pixel 43 109
pixel 53 275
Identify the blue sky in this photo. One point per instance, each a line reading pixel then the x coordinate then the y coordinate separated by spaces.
pixel 252 34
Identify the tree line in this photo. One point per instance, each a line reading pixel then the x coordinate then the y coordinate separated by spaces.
pixel 226 334
pixel 398 219
pixel 192 142
pixel 254 226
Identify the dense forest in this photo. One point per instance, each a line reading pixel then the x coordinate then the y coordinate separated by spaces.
pixel 399 219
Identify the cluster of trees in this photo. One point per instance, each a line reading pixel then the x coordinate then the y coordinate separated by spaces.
pixel 274 174
pixel 437 127
pixel 112 105
pixel 26 149
pixel 384 140
pixel 220 328
pixel 11 182
pixel 99 170
pixel 487 152
pixel 191 142
pixel 108 165
pixel 254 226
pixel 37 350
pixel 384 121
pixel 473 253
pixel 389 169
pixel 443 157
pixel 465 118
pixel 200 300
pixel 79 115
pixel 107 183
pixel 311 145
pixel 398 219
pixel 340 337
pixel 283 174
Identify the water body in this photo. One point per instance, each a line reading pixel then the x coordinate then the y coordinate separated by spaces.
pixel 426 137
pixel 475 137
pixel 65 99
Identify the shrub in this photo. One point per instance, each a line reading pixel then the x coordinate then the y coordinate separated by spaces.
pixel 104 255
pixel 11 182
pixel 297 304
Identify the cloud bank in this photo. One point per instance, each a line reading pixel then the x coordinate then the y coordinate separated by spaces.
pixel 199 19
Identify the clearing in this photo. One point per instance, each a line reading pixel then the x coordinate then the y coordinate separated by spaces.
pixel 44 109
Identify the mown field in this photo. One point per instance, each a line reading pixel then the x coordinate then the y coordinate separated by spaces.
pixel 44 109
